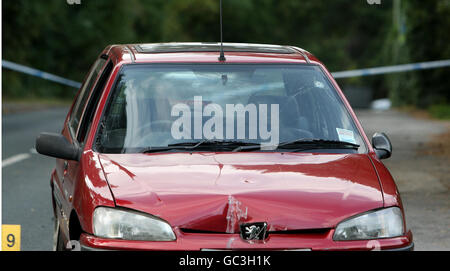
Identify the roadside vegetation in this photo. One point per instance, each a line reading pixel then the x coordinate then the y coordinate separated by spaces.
pixel 440 111
pixel 65 39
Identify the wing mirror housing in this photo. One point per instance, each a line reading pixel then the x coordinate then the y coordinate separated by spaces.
pixel 56 145
pixel 382 145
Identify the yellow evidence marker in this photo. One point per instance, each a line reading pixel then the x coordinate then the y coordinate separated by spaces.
pixel 10 237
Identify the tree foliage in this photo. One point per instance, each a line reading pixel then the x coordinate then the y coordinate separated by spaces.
pixel 345 34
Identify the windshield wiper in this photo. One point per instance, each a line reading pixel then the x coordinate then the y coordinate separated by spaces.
pixel 299 144
pixel 191 145
pixel 318 143
pixel 304 144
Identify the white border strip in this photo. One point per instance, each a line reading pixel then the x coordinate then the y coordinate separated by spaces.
pixel 1 117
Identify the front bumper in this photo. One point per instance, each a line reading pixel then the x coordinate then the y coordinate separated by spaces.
pixel 409 247
pixel 197 242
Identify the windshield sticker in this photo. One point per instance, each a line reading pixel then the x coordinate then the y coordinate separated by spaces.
pixel 346 135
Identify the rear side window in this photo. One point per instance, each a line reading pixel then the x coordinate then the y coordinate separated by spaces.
pixel 84 94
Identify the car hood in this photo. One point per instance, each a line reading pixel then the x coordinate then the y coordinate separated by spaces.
pixel 215 192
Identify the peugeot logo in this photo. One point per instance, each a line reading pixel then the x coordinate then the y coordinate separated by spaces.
pixel 253 231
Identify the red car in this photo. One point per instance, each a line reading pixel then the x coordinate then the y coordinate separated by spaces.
pixel 170 147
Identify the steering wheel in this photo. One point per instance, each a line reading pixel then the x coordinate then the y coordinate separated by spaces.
pixel 154 126
pixel 295 133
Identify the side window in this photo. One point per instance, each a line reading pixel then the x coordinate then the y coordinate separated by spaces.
pixel 78 108
pixel 93 102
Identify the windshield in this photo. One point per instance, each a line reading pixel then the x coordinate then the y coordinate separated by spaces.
pixel 161 105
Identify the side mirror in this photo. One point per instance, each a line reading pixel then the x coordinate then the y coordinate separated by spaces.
pixel 56 145
pixel 382 145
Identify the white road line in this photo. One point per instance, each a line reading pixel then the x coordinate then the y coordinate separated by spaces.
pixel 14 159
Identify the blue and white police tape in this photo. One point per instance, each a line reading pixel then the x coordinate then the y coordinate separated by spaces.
pixel 393 69
pixel 48 76
pixel 337 75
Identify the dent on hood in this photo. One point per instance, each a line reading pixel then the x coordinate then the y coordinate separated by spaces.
pixel 216 193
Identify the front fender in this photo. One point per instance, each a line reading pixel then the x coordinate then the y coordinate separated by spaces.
pixel 91 190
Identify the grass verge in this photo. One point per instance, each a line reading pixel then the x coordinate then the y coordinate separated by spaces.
pixel 440 111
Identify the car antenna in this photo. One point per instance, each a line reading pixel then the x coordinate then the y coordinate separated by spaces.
pixel 222 55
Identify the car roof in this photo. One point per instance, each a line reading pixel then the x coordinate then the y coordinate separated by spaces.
pixel 212 47
pixel 208 52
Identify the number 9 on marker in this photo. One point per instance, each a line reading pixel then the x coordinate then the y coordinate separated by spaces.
pixel 10 237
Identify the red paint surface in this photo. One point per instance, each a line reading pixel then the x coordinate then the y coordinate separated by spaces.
pixel 233 241
pixel 288 191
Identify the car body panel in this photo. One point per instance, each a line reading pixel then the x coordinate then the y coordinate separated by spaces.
pixel 221 190
pixel 391 196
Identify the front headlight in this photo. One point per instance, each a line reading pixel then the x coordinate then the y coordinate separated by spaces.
pixel 130 225
pixel 384 223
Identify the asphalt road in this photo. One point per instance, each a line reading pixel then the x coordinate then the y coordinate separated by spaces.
pixel 26 196
pixel 423 181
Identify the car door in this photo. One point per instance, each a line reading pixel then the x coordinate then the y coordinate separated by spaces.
pixel 68 171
